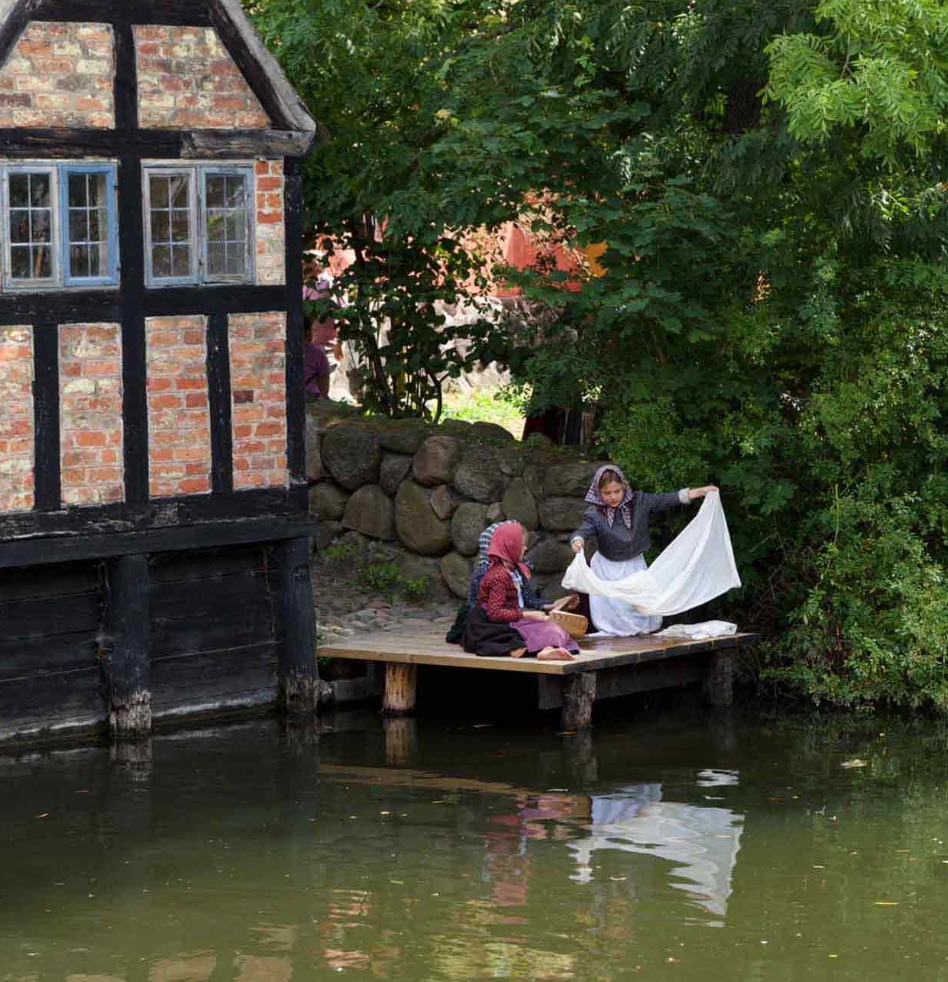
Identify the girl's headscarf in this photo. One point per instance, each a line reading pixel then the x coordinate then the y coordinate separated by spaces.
pixel 594 496
pixel 506 546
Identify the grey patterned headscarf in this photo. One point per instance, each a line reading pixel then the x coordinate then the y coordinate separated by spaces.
pixel 594 497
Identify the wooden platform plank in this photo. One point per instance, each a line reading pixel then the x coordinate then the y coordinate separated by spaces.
pixel 426 646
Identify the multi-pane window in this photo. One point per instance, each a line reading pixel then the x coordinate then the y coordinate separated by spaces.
pixel 60 226
pixel 198 220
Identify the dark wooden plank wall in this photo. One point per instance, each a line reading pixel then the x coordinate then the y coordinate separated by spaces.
pixel 215 633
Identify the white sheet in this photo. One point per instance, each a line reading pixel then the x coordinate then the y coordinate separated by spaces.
pixel 698 632
pixel 695 568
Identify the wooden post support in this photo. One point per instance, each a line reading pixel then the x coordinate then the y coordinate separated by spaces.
pixel 401 741
pixel 579 694
pixel 717 683
pixel 125 648
pixel 299 676
pixel 398 698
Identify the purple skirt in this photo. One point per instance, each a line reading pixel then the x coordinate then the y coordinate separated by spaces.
pixel 538 635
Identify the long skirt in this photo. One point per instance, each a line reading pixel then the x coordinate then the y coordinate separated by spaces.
pixel 483 636
pixel 613 617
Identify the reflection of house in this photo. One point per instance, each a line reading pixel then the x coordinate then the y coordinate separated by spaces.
pixel 702 842
pixel 150 362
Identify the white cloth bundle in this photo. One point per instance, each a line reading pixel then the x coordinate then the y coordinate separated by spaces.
pixel 698 632
pixel 695 568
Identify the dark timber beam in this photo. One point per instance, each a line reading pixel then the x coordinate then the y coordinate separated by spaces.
pixel 299 676
pixel 46 469
pixel 219 399
pixel 125 648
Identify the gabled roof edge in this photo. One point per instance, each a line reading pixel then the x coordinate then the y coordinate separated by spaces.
pixel 294 110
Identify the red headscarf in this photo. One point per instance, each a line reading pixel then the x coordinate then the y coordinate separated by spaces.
pixel 506 546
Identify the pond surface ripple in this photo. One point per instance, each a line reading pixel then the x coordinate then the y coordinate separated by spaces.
pixel 676 845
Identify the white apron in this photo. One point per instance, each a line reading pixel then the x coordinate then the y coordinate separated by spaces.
pixel 616 618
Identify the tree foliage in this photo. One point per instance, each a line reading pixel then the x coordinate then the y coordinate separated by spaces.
pixel 770 312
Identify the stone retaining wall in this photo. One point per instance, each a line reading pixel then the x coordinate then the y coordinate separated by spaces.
pixel 428 492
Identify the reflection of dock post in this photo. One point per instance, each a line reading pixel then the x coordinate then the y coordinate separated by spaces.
pixel 717 683
pixel 579 694
pixel 401 740
pixel 581 756
pixel 401 683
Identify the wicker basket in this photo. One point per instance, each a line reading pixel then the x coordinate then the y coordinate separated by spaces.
pixel 574 624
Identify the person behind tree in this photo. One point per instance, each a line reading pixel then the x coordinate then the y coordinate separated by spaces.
pixel 500 624
pixel 316 367
pixel 619 521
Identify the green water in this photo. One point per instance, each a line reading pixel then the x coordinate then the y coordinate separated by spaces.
pixel 675 846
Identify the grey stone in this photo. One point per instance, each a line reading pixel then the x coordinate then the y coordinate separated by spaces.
pixel 327 533
pixel 561 514
pixel 418 567
pixel 443 502
pixel 361 543
pixel 550 556
pixel 570 479
pixel 352 453
pixel 478 474
pixel 404 436
pixel 458 427
pixel 519 503
pixel 393 470
pixel 492 432
pixel 370 511
pixel 539 440
pixel 456 571
pixel 495 513
pixel 418 527
pixel 327 500
pixel 314 462
pixel 466 526
pixel 511 460
pixel 436 460
pixel 549 586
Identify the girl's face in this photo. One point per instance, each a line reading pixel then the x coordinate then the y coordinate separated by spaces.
pixel 612 493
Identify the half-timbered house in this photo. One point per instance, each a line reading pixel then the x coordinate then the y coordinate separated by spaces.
pixel 154 556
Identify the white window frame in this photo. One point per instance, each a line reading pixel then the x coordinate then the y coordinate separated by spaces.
pixel 61 279
pixel 197 189
pixel 54 281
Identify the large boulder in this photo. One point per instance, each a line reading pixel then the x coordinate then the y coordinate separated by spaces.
pixel 327 533
pixel 561 514
pixel 403 436
pixel 550 556
pixel 456 571
pixel 352 453
pixel 466 526
pixel 493 432
pixel 478 475
pixel 495 512
pixel 548 585
pixel 436 460
pixel 370 511
pixel 392 471
pixel 511 460
pixel 421 568
pixel 416 523
pixel 518 503
pixel 314 461
pixel 328 501
pixel 570 479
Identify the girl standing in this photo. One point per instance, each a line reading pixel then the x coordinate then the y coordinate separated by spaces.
pixel 619 521
pixel 499 624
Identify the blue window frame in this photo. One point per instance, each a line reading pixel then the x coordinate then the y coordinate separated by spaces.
pixel 60 227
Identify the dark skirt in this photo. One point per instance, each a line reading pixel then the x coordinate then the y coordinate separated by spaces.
pixel 483 636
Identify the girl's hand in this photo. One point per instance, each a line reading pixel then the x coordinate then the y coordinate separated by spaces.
pixel 577 544
pixel 535 615
pixel 701 492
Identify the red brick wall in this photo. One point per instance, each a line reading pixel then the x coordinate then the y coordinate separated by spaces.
pixel 179 425
pixel 258 384
pixel 187 79
pixel 90 408
pixel 271 245
pixel 16 419
pixel 59 75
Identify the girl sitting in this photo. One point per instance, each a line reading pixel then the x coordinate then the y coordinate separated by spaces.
pixel 619 520
pixel 499 624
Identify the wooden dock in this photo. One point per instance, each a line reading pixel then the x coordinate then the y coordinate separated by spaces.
pixel 605 667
